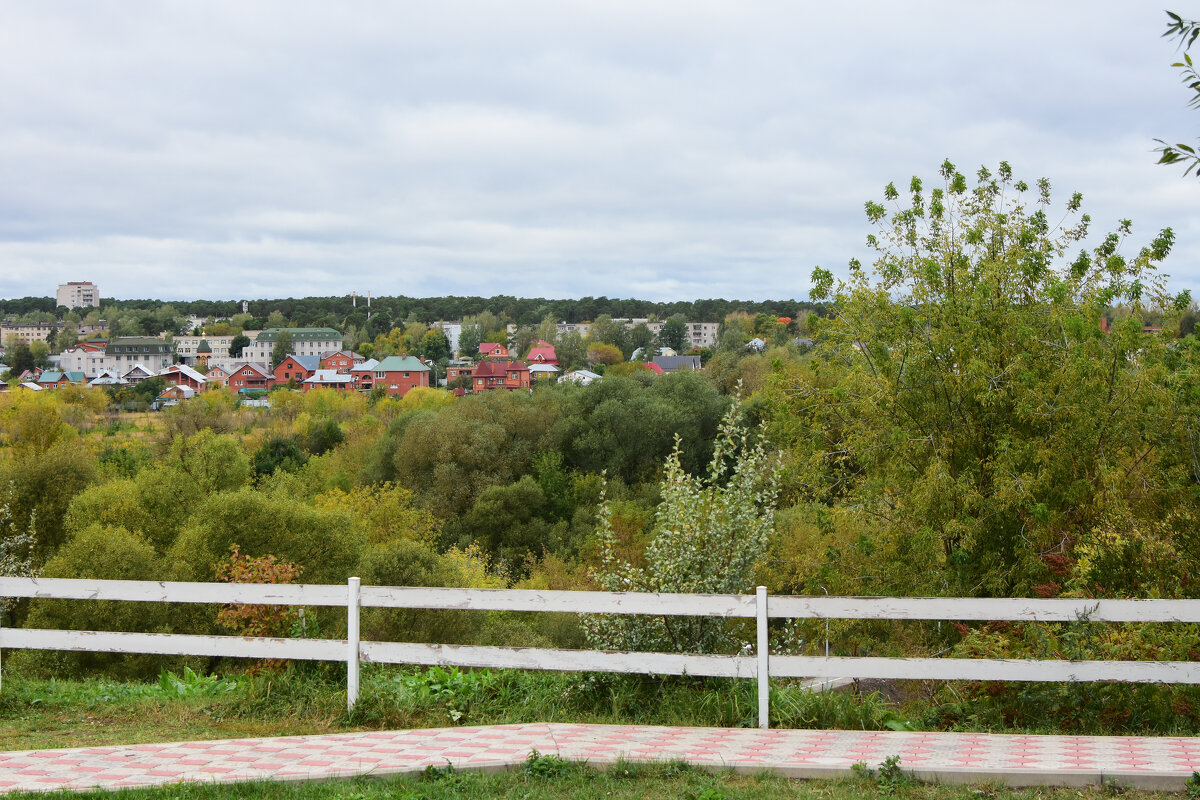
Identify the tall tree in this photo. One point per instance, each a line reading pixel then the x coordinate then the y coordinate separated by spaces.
pixel 967 403
pixel 673 333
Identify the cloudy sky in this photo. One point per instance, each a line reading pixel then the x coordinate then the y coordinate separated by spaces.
pixel 662 150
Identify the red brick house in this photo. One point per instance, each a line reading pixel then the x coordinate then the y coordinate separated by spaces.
pixel 251 375
pixel 363 375
pixel 490 375
pixel 400 374
pixel 341 361
pixel 455 371
pixel 217 376
pixel 296 368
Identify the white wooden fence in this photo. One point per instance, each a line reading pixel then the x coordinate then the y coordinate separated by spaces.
pixel 760 666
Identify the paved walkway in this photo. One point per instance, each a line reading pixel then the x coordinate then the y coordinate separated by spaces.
pixel 1146 762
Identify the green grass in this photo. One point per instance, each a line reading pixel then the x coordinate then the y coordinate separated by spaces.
pixel 311 700
pixel 542 778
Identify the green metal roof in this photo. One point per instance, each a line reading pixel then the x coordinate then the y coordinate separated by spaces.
pixel 400 364
pixel 300 334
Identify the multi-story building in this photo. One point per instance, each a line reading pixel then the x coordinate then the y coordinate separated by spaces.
pixel 27 332
pixel 78 294
pixel 85 357
pixel 125 351
pixel 187 347
pixel 305 342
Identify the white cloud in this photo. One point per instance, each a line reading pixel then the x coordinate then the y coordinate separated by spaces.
pixel 666 150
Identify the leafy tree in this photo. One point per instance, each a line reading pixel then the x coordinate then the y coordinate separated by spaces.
pixel 615 334
pixel 434 345
pixel 20 359
pixel 323 436
pixel 957 377
pixel 149 389
pixel 571 350
pixel 278 452
pixel 282 349
pixel 641 338
pixel 709 534
pixel 1186 31
pixel 673 334
pixel 600 353
pixel 403 562
pixel 17 539
pixel 237 344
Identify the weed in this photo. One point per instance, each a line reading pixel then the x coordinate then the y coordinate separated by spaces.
pixel 549 766
pixel 192 684
pixel 1193 786
pixel 433 773
pixel 891 777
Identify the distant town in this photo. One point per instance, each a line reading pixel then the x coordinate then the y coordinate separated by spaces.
pixel 169 357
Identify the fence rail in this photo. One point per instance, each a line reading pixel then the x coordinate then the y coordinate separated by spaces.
pixel 759 665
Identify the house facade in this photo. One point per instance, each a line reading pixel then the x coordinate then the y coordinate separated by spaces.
pixel 341 361
pixel 296 368
pixel 400 374
pixel 493 350
pixel 493 375
pixel 250 376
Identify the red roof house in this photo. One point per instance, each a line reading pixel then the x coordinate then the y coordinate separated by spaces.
pixel 491 375
pixel 493 350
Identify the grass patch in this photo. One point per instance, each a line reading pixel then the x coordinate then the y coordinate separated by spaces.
pixel 580 782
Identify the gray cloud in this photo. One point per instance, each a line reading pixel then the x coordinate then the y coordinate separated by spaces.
pixel 664 150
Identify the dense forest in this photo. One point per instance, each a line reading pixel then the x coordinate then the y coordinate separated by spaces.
pixel 337 312
pixel 965 425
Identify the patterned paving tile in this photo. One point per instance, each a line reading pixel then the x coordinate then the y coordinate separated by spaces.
pixel 1022 760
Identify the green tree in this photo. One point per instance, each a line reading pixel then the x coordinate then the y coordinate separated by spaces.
pixel 237 344
pixel 642 338
pixel 282 349
pixel 709 534
pixel 966 407
pixel 673 334
pixel 605 331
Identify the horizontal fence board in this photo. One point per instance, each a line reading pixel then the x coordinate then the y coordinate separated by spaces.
pixel 1055 609
pixel 311 594
pixel 559 660
pixel 984 669
pixel 172 644
pixel 710 605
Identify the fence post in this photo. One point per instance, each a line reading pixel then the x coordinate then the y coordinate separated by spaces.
pixel 352 638
pixel 764 673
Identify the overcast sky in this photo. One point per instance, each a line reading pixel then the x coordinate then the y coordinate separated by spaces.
pixel 660 150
